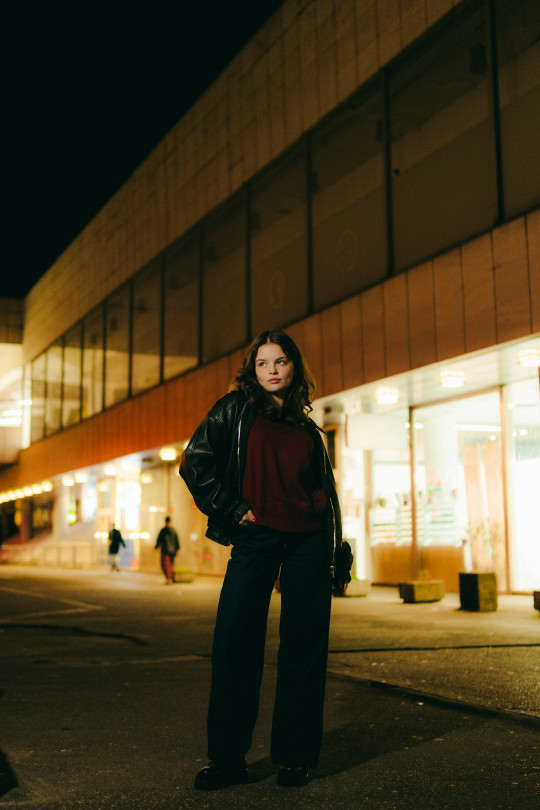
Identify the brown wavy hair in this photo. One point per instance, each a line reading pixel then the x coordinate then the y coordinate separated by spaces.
pixel 297 403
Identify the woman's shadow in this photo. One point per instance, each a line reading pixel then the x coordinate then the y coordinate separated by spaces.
pixel 373 722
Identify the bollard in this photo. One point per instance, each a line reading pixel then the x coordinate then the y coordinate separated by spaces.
pixel 478 591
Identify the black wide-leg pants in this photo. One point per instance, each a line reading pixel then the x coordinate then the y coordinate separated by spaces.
pixel 239 642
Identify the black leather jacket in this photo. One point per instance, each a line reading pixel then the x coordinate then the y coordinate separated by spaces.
pixel 213 466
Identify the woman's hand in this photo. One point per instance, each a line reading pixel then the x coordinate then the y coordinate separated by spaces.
pixel 339 588
pixel 248 518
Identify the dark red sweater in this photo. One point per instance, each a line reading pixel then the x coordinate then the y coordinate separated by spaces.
pixel 280 478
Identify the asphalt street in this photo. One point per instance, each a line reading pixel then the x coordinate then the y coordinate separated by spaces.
pixel 104 682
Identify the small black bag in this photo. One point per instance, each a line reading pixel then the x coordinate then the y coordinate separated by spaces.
pixel 342 568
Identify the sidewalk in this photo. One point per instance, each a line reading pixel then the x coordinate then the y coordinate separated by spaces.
pixel 485 660
pixel 105 683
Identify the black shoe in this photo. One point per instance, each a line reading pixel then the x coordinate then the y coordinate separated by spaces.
pixel 294 776
pixel 215 777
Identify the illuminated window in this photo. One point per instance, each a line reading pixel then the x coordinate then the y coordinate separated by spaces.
pixel 181 307
pixel 279 279
pixel 146 357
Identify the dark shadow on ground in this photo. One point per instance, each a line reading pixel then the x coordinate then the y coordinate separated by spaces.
pixel 376 722
pixel 384 721
pixel 8 780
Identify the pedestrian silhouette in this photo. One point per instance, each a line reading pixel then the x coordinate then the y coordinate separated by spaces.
pixel 115 541
pixel 169 545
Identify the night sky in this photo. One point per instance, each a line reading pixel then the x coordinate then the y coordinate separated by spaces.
pixel 88 90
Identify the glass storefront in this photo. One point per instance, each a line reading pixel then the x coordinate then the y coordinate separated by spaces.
pixel 447 483
pixel 523 463
pixel 459 500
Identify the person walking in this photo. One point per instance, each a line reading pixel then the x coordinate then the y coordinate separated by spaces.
pixel 115 541
pixel 169 544
pixel 258 468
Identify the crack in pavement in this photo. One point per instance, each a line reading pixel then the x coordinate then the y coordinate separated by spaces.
pixel 73 631
pixel 437 647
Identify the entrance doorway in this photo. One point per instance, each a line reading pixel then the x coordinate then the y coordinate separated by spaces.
pixel 459 491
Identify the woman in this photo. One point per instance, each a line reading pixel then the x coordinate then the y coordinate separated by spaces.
pixel 258 468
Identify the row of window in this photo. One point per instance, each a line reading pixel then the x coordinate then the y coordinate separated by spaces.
pixel 440 147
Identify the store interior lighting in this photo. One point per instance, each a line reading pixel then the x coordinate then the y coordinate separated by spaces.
pixel 168 453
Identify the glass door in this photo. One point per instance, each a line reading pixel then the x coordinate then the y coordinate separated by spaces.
pixel 523 463
pixel 459 489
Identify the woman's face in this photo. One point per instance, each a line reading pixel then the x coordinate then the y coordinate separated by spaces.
pixel 274 370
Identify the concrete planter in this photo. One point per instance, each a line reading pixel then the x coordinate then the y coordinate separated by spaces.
pixel 536 595
pixel 422 590
pixel 184 575
pixel 358 587
pixel 478 591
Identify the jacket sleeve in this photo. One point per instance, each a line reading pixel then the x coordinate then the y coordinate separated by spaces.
pixel 202 468
pixel 342 557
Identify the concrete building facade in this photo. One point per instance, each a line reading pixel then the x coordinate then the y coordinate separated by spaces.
pixel 366 174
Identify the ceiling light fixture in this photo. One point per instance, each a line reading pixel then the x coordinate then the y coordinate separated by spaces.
pixel 387 396
pixel 452 378
pixel 529 358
